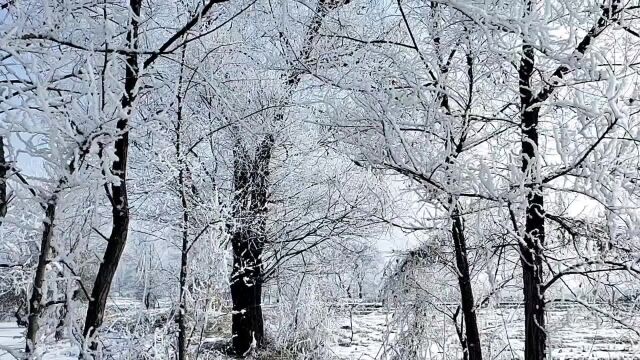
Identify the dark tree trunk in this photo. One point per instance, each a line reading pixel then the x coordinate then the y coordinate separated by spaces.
pixel 246 294
pixel 534 237
pixel 4 167
pixel 251 182
pixel 181 318
pixel 535 335
pixel 118 196
pixel 184 259
pixel 532 248
pixel 108 267
pixel 471 345
pixel 35 301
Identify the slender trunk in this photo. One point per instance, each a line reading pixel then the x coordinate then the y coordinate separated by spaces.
pixel 460 333
pixel 3 182
pixel 181 319
pixel 35 301
pixel 63 310
pixel 532 246
pixel 184 260
pixel 531 250
pixel 118 196
pixel 470 340
pixel 472 344
pixel 468 332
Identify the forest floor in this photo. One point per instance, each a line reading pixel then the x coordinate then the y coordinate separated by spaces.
pixel 10 339
pixel 573 333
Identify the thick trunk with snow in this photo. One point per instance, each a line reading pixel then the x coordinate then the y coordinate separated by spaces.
pixel 246 293
pixel 534 236
pixel 251 182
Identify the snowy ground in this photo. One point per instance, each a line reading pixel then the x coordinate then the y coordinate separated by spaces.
pixel 573 334
pixel 10 339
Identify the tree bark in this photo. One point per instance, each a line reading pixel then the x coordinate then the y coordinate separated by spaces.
pixel 35 301
pixel 472 343
pixel 118 196
pixel 531 249
pixel 532 246
pixel 251 182
pixel 184 259
pixel 3 182
pixel 246 292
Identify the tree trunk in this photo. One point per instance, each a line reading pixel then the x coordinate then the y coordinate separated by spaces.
pixel 473 347
pixel 246 293
pixel 251 182
pixel 108 267
pixel 531 249
pixel 184 259
pixel 3 182
pixel 534 311
pixel 35 301
pixel 118 196
pixel 181 319
pixel 534 237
